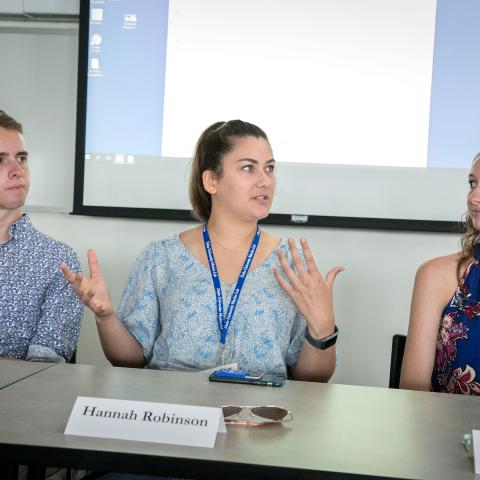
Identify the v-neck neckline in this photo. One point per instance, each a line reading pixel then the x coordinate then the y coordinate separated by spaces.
pixel 206 267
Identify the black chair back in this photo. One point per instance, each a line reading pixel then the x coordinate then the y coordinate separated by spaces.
pixel 74 357
pixel 398 349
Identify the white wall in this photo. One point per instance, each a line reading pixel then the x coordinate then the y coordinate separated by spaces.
pixel 372 297
pixel 38 86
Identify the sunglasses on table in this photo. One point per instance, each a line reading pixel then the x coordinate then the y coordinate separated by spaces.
pixel 255 416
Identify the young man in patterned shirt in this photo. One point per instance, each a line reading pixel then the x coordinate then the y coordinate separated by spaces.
pixel 40 313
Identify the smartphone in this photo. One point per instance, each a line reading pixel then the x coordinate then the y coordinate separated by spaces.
pixel 230 375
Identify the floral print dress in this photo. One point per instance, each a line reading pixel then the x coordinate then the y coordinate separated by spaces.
pixel 457 356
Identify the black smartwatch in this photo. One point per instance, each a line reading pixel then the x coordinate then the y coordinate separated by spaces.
pixel 323 343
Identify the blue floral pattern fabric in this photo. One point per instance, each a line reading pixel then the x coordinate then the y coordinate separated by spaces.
pixel 457 360
pixel 40 314
pixel 169 306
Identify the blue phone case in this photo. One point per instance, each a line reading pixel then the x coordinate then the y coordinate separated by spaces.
pixel 238 376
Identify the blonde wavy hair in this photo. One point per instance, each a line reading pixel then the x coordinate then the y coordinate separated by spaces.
pixel 470 239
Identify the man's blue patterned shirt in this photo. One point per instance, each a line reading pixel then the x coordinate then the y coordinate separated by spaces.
pixel 40 314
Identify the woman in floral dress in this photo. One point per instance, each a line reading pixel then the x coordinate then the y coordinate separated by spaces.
pixel 442 353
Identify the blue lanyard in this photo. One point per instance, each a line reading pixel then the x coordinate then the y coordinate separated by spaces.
pixel 222 319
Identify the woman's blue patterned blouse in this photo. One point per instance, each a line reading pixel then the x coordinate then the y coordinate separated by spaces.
pixel 169 306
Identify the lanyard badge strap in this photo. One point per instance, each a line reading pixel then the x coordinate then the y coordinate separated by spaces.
pixel 224 319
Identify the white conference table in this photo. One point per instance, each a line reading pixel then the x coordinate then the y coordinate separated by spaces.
pixel 339 431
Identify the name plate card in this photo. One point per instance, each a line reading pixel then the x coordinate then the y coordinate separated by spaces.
pixel 476 450
pixel 146 421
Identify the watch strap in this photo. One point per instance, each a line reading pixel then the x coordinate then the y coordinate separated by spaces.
pixel 324 342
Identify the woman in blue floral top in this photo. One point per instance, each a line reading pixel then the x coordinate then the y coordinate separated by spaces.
pixel 214 294
pixel 442 350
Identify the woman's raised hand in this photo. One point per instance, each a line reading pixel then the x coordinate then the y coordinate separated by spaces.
pixel 92 291
pixel 310 292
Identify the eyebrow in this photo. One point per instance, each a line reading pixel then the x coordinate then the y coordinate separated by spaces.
pixel 272 160
pixel 23 152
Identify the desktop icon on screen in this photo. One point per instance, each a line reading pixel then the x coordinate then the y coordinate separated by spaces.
pixel 97 15
pixel 130 21
pixel 95 39
pixel 119 158
pixel 95 63
pixel 130 18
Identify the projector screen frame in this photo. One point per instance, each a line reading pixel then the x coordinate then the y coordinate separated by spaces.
pixel 389 224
